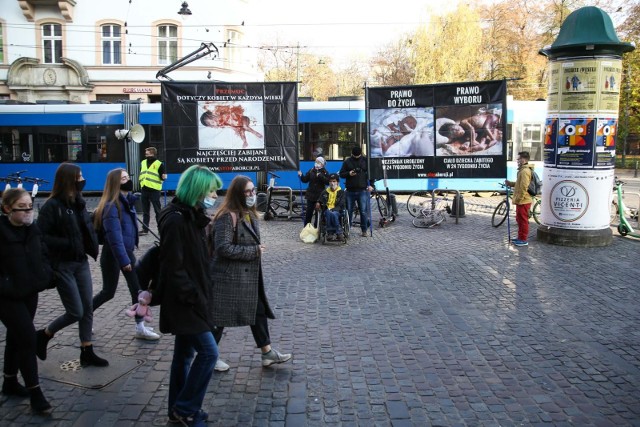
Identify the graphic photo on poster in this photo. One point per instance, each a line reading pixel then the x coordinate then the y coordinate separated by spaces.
pixel 402 132
pixel 230 125
pixel 469 130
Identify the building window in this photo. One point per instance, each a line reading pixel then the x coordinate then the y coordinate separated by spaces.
pixel 167 44
pixel 52 43
pixel 233 55
pixel 111 44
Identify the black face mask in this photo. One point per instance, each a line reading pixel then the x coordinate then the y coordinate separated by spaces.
pixel 127 186
pixel 151 159
pixel 80 185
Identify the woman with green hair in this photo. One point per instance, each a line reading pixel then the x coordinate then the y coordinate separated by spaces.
pixel 184 284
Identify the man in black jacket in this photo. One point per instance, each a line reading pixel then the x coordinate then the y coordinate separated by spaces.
pixel 354 171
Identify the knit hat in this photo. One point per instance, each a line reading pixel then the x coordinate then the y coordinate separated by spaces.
pixel 321 160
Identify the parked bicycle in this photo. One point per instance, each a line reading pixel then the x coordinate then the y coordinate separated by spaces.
pixel 384 202
pixel 279 202
pixel 500 212
pixel 624 215
pixel 432 215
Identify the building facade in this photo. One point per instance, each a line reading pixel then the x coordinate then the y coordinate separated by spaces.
pixel 82 51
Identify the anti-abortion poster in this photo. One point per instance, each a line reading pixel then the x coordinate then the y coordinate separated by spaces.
pixel 230 127
pixel 454 130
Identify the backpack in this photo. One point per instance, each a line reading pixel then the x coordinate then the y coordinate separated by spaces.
pixel 535 186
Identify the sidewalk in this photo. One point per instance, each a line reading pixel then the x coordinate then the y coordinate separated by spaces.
pixel 448 326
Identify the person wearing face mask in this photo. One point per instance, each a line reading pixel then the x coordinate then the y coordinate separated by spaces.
pixel 24 271
pixel 238 292
pixel 185 283
pixel 318 178
pixel 152 174
pixel 332 200
pixel 70 237
pixel 116 216
pixel 354 171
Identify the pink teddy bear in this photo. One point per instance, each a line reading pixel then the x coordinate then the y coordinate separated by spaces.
pixel 141 308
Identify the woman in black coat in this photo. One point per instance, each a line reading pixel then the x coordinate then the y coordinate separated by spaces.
pixel 318 178
pixel 70 237
pixel 238 297
pixel 184 287
pixel 24 271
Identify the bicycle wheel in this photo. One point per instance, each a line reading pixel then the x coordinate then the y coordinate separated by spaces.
pixel 430 218
pixel 382 205
pixel 535 212
pixel 499 214
pixel 418 201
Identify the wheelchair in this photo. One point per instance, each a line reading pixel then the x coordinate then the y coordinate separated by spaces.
pixel 324 231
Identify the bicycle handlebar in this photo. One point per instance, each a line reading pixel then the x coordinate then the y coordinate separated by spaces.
pixel 273 174
pixel 16 174
pixel 35 180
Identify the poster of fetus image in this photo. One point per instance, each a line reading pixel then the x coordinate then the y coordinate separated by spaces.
pixel 230 125
pixel 575 142
pixel 606 135
pixel 449 130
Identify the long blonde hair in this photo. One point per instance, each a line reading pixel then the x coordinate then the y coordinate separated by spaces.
pixel 111 194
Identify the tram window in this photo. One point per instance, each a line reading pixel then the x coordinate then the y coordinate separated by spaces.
pixel 334 139
pixel 102 145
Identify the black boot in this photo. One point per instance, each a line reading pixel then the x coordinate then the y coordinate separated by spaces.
pixel 38 402
pixel 42 340
pixel 12 387
pixel 89 358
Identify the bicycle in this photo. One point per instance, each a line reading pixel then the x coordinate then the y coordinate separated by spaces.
pixel 500 212
pixel 279 202
pixel 624 214
pixel 431 216
pixel 383 202
pixel 423 199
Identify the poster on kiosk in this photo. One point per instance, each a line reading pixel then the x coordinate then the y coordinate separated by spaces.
pixel 230 127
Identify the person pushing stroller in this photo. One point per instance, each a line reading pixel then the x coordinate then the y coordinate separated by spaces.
pixel 332 203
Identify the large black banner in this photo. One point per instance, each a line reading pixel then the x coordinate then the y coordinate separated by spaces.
pixel 230 127
pixel 454 130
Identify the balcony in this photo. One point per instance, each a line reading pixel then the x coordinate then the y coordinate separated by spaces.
pixel 65 7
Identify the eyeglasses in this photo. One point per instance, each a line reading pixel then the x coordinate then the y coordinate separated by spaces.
pixel 250 192
pixel 23 208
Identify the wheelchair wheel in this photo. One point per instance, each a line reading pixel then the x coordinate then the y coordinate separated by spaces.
pixel 345 226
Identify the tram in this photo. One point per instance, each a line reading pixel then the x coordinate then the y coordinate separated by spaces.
pixel 36 137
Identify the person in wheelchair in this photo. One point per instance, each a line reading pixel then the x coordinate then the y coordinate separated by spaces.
pixel 332 203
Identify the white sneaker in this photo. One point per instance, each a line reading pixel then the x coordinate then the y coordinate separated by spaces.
pixel 143 333
pixel 221 366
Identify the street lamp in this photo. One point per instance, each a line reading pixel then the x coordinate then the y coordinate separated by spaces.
pixel 184 11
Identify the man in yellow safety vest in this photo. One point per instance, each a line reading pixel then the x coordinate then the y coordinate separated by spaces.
pixel 152 174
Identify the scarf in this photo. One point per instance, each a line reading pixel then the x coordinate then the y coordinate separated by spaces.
pixel 333 196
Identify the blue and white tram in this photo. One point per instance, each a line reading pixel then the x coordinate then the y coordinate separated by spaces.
pixel 36 138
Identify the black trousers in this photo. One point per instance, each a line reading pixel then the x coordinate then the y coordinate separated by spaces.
pixel 260 329
pixel 20 349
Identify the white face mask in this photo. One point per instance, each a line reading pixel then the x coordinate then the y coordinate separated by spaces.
pixel 333 185
pixel 251 200
pixel 318 165
pixel 209 202
pixel 22 217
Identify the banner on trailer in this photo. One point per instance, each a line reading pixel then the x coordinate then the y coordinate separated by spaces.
pixel 455 130
pixel 230 127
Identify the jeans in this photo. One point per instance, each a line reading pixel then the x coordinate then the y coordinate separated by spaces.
pixel 522 218
pixel 188 381
pixel 148 197
pixel 260 329
pixel 75 290
pixel 20 349
pixel 332 219
pixel 362 197
pixel 110 274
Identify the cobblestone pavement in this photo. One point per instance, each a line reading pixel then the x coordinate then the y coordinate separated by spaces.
pixel 448 326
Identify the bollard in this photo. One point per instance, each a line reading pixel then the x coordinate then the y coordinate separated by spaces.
pixel 635 172
pixel 393 203
pixel 457 207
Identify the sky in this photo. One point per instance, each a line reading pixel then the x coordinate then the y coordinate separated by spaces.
pixel 339 28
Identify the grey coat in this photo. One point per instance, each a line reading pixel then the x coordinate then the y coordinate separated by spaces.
pixel 236 270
